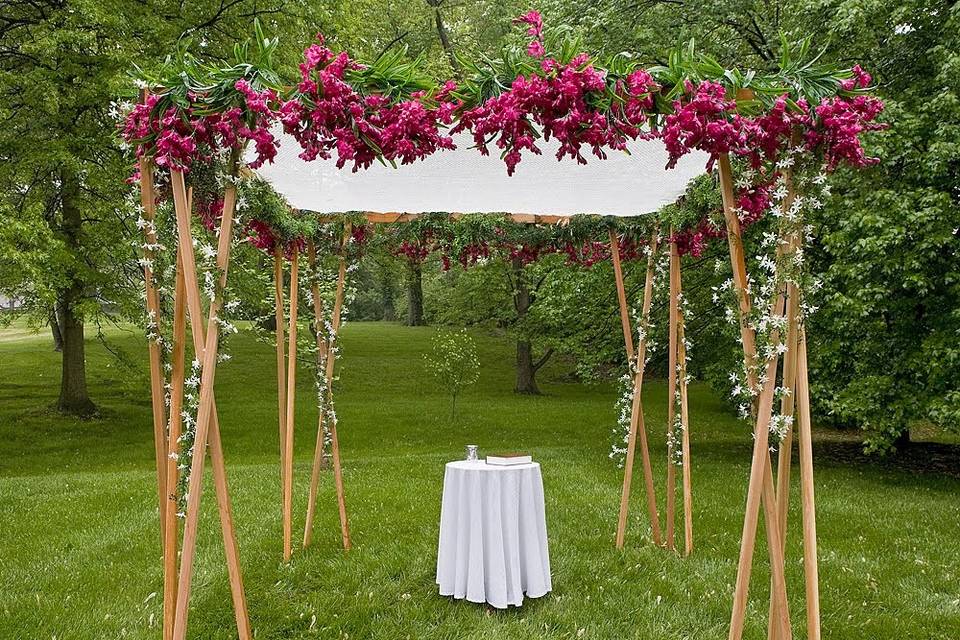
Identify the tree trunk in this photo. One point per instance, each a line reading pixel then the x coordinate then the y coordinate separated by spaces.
pixel 55 329
pixel 73 372
pixel 526 372
pixel 526 368
pixel 444 36
pixel 902 443
pixel 389 309
pixel 415 296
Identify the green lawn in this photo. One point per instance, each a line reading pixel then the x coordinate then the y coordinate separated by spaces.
pixel 79 547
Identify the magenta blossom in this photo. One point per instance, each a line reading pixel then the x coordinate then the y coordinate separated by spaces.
pixel 703 120
pixel 560 102
pixel 331 117
pixel 535 20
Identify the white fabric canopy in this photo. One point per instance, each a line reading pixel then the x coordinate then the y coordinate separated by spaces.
pixel 463 181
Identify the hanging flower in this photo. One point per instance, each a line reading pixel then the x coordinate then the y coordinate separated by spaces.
pixel 703 120
pixel 575 102
pixel 330 116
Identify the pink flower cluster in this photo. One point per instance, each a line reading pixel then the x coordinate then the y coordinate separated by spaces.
pixel 708 121
pixel 259 234
pixel 209 212
pixel 329 115
pixel 171 137
pixel 535 21
pixel 752 202
pixel 261 115
pixel 705 120
pixel 840 122
pixel 262 236
pixel 560 103
pixel 177 137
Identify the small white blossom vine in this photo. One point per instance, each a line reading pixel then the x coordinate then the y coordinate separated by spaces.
pixel 647 331
pixel 781 262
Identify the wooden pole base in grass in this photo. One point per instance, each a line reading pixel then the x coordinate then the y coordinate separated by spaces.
pixel 329 345
pixel 637 427
pixel 172 528
pixel 686 479
pixel 319 330
pixel 206 341
pixel 787 405
pixel 677 385
pixel 810 563
pixel 148 201
pixel 281 366
pixel 761 487
pixel 672 389
pixel 290 412
pixel 677 398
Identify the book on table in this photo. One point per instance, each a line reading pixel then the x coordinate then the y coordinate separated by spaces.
pixel 509 459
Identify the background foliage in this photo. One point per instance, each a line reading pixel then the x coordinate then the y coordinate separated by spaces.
pixel 884 346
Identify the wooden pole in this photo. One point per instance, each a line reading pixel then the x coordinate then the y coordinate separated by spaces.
pixel 322 355
pixel 157 378
pixel 171 529
pixel 291 408
pixel 784 454
pixel 637 426
pixel 281 363
pixel 206 347
pixel 672 389
pixel 685 437
pixel 621 294
pixel 331 361
pixel 228 531
pixel 810 565
pixel 760 487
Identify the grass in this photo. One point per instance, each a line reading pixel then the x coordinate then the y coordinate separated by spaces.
pixel 79 549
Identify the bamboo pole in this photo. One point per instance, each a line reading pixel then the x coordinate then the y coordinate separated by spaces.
pixel 810 564
pixel 621 294
pixel 171 530
pixel 331 362
pixel 281 364
pixel 637 426
pixel 228 531
pixel 685 437
pixel 785 452
pixel 206 347
pixel 760 487
pixel 322 355
pixel 672 390
pixel 157 378
pixel 290 413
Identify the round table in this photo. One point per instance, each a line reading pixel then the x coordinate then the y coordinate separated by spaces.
pixel 493 534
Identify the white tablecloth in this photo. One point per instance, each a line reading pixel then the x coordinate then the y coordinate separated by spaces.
pixel 493 534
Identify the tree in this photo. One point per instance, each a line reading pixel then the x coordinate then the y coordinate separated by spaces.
pixel 67 239
pixel 415 294
pixel 883 347
pixel 453 363
pixel 887 356
pixel 524 295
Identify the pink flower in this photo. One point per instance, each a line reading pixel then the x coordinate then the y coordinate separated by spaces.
pixel 860 80
pixel 704 121
pixel 535 49
pixel 332 117
pixel 838 126
pixel 560 102
pixel 535 20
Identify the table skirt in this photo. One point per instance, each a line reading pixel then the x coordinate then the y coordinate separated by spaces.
pixel 493 534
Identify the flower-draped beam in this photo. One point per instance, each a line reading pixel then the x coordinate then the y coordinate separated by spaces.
pixel 390 111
